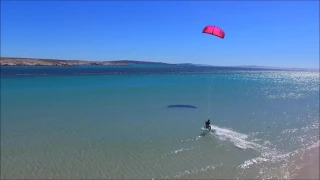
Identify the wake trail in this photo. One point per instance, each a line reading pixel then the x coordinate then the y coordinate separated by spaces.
pixel 238 139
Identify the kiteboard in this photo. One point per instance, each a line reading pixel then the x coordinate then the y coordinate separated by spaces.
pixel 208 130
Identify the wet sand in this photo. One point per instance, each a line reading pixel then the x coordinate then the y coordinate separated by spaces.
pixel 310 159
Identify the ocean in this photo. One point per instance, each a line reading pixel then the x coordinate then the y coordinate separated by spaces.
pixel 118 122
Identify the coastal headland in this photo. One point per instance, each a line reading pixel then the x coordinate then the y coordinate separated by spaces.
pixel 22 61
pixel 11 61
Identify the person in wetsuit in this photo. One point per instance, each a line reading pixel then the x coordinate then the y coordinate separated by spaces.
pixel 208 124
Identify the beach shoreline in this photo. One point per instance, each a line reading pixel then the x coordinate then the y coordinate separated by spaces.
pixel 310 164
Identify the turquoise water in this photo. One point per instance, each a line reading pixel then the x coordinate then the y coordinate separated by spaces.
pixel 104 122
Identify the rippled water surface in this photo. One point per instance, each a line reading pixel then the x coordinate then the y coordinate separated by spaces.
pixel 114 122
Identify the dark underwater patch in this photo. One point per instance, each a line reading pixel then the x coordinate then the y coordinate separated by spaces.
pixel 181 106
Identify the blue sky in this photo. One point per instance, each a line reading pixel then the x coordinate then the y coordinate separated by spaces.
pixel 268 33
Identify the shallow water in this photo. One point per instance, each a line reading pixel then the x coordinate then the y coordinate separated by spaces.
pixel 114 122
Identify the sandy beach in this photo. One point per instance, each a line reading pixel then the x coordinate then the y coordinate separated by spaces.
pixel 310 169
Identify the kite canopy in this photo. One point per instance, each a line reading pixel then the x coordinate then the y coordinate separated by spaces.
pixel 214 30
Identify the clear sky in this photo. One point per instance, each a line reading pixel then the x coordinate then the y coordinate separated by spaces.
pixel 268 33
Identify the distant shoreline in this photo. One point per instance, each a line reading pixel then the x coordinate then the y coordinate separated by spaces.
pixel 11 61
pixel 18 61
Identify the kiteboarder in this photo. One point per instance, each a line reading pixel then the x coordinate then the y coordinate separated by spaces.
pixel 215 31
pixel 207 126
